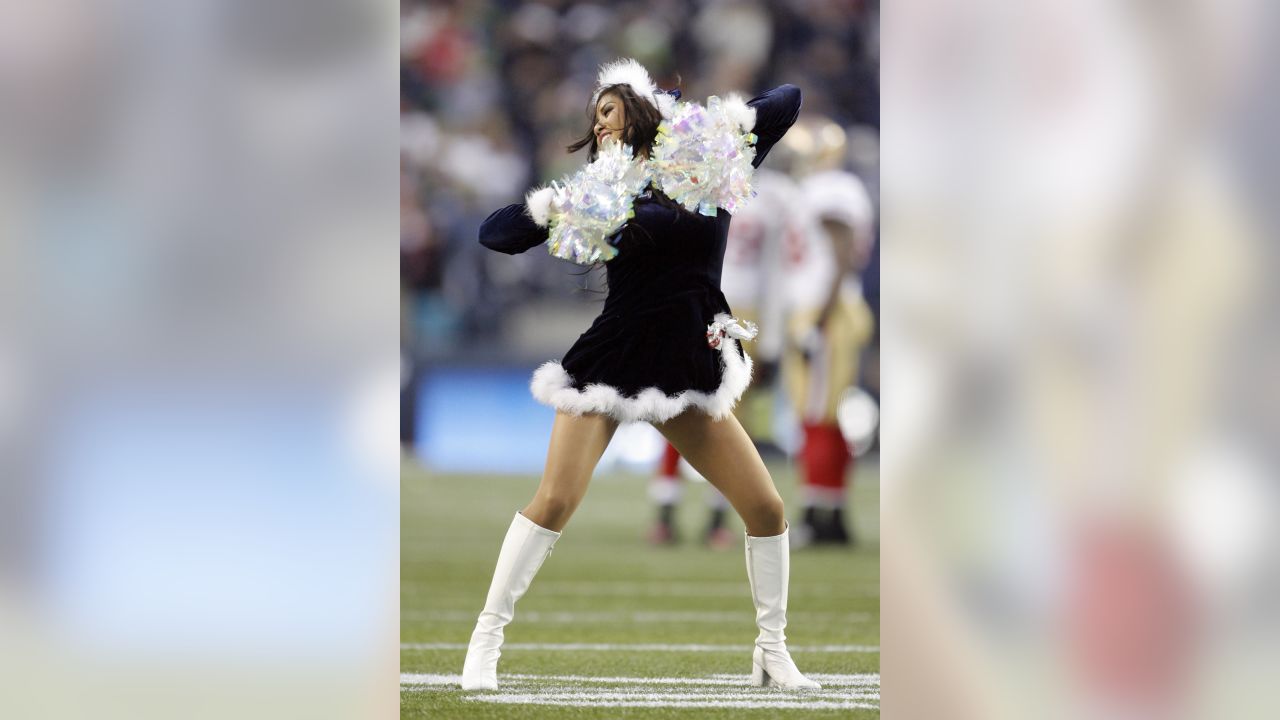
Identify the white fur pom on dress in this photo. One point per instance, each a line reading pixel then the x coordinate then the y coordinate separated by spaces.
pixel 538 201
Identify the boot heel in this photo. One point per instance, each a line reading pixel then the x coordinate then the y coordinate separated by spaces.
pixel 759 678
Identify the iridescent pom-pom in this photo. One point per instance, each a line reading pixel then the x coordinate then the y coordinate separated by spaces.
pixel 593 204
pixel 702 158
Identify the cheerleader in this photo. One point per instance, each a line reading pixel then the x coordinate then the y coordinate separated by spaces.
pixel 654 204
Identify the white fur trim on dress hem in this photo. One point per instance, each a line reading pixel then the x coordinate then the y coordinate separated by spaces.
pixel 551 385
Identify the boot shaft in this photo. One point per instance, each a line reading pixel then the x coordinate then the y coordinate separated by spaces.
pixel 524 549
pixel 768 571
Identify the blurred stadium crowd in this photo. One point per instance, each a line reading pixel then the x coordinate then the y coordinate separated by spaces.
pixel 492 92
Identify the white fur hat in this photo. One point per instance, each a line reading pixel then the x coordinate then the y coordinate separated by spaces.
pixel 626 71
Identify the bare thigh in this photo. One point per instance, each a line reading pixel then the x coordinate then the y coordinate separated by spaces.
pixel 723 452
pixel 577 442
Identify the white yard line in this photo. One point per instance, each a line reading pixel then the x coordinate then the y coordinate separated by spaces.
pixel 826 679
pixel 645 647
pixel 657 617
pixel 709 588
pixel 660 703
pixel 657 700
pixel 569 694
pixel 643 589
pixel 855 691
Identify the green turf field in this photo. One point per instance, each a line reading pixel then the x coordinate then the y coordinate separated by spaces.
pixel 614 628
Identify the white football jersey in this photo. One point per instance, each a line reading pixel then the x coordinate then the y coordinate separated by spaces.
pixel 754 237
pixel 808 261
pixel 776 257
pixel 833 195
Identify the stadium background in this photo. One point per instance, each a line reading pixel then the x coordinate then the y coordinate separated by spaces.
pixel 196 378
pixel 491 93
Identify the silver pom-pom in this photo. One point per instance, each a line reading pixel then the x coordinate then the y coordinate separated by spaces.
pixel 593 204
pixel 702 157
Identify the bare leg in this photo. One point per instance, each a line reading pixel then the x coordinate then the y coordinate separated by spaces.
pixel 577 442
pixel 576 446
pixel 722 451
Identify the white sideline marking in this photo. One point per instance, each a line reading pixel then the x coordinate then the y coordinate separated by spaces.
pixel 723 690
pixel 656 700
pixel 643 647
pixel 569 617
pixel 826 679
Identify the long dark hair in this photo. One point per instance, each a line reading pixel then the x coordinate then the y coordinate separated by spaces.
pixel 641 127
pixel 640 132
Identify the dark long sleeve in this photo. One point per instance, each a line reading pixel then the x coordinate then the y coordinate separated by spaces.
pixel 776 112
pixel 511 230
pixel 652 224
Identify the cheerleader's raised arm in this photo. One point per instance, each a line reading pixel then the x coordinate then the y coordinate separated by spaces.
pixel 776 111
pixel 582 236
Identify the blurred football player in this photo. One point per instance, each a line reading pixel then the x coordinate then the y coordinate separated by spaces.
pixel 830 327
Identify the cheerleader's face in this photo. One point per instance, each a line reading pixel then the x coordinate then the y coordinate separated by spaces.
pixel 611 118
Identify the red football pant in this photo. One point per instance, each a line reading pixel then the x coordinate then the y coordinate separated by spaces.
pixel 670 462
pixel 825 456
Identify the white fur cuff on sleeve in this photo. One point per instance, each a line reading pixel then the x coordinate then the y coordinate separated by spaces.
pixel 742 114
pixel 666 104
pixel 539 203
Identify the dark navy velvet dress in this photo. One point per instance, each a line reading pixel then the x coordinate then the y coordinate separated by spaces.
pixel 647 356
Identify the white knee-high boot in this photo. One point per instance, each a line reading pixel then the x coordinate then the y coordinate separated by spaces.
pixel 769 570
pixel 526 546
